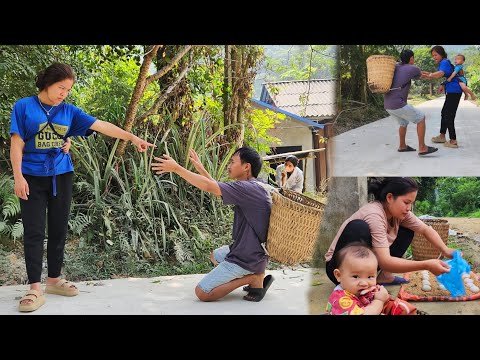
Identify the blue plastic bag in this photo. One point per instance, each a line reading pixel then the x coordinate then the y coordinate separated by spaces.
pixel 452 280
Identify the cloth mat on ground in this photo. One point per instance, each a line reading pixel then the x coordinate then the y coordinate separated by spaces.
pixel 413 290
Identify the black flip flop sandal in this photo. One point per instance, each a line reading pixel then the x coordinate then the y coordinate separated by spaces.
pixel 257 294
pixel 430 149
pixel 408 148
pixel 265 281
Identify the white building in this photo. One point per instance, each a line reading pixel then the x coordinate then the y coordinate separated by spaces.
pixel 308 106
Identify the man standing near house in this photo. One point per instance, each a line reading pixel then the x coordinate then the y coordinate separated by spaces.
pixel 244 261
pixel 289 176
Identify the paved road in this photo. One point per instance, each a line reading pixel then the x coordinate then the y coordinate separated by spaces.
pixel 371 150
pixel 167 295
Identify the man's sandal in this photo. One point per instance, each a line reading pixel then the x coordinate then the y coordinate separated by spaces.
pixel 62 287
pixel 36 298
pixel 265 281
pixel 257 294
pixel 430 149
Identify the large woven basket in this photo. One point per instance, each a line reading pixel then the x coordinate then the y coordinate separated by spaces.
pixel 294 225
pixel 380 70
pixel 422 249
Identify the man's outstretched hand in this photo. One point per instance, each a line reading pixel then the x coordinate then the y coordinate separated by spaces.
pixel 193 156
pixel 165 164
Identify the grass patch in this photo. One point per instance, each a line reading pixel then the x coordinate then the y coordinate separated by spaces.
pixel 352 119
pixel 474 214
pixel 12 266
pixel 418 99
pixel 321 195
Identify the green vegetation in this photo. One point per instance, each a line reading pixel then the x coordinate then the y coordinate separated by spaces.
pixel 449 196
pixel 472 68
pixel 355 98
pixel 418 99
pixel 126 221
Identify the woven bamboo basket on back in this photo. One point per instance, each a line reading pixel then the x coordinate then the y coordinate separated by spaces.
pixel 294 224
pixel 380 70
pixel 421 247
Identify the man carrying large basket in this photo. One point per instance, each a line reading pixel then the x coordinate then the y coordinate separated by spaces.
pixel 395 103
pixel 244 261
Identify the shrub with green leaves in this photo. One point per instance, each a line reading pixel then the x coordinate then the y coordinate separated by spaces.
pixel 10 222
pixel 151 217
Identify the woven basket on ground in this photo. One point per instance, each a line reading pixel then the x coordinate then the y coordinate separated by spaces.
pixel 294 224
pixel 380 70
pixel 422 249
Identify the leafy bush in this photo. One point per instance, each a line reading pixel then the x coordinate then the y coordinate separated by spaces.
pixel 121 200
pixel 422 207
pixel 449 196
pixel 259 122
pixel 106 93
pixel 459 196
pixel 10 222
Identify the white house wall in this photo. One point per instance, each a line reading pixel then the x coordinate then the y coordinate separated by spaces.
pixel 294 133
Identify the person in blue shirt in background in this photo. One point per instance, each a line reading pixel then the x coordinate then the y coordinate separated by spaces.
pixel 43 173
pixel 453 93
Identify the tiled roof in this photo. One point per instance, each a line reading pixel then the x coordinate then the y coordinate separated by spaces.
pixel 291 96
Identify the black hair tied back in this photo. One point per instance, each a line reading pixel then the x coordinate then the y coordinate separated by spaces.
pixel 39 81
pixel 397 186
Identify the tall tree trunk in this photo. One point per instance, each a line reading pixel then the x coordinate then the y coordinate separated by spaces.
pixel 179 104
pixel 163 97
pixel 137 94
pixel 241 130
pixel 227 84
pixel 347 194
pixel 142 82
pixel 239 72
pixel 339 80
pixel 235 66
pixel 363 78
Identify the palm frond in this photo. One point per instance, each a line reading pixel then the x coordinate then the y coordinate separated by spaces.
pixel 11 207
pixel 17 230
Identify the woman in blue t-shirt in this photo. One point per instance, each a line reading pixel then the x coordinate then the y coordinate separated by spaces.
pixel 43 174
pixel 453 93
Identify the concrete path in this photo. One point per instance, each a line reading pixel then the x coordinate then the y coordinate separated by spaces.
pixel 322 288
pixel 371 150
pixel 167 295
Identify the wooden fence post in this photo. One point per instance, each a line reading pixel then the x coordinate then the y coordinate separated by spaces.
pixel 328 130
